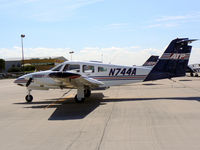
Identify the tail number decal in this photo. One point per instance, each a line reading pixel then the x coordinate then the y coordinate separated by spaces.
pixel 122 71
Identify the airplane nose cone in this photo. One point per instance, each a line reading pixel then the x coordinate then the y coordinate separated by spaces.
pixel 16 81
pixel 20 81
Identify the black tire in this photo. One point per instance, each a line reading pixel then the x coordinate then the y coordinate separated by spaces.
pixel 196 75
pixel 191 74
pixel 29 98
pixel 79 101
pixel 87 93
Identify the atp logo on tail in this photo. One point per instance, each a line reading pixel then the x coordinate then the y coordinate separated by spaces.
pixel 176 56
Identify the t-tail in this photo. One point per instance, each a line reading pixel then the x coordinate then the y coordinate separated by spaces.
pixel 151 61
pixel 173 62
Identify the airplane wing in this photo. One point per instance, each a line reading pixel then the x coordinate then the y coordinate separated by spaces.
pixel 74 80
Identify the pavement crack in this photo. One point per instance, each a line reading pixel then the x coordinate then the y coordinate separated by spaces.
pixel 105 127
pixel 75 139
pixel 187 86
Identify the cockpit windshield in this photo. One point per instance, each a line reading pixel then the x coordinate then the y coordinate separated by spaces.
pixel 57 68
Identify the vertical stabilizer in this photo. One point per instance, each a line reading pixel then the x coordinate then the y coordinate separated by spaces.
pixel 173 62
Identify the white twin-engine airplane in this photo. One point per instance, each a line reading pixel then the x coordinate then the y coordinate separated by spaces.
pixel 88 76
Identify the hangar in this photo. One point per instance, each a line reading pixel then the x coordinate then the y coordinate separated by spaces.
pixel 39 63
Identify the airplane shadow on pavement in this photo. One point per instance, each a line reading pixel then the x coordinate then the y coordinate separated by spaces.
pixel 69 110
pixel 152 99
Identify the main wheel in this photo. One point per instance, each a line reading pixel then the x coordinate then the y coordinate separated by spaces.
pixel 191 74
pixel 29 98
pixel 87 93
pixel 79 100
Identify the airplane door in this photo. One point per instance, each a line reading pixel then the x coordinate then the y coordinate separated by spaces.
pixel 88 70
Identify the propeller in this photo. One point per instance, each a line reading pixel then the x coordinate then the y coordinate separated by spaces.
pixel 29 82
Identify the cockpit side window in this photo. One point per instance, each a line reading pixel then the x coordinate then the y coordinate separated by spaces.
pixel 57 68
pixel 88 69
pixel 72 67
pixel 102 69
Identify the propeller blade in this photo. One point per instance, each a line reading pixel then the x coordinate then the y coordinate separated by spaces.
pixel 29 82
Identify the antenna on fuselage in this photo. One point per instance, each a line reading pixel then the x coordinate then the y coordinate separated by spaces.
pixel 102 57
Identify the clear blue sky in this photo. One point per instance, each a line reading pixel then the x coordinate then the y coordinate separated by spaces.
pixel 76 24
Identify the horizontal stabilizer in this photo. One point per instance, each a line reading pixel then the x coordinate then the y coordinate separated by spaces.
pixel 151 61
pixel 186 40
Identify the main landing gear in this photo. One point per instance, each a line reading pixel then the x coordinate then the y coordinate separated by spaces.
pixel 29 97
pixel 87 92
pixel 194 74
pixel 81 94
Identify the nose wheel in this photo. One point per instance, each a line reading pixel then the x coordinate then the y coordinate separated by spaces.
pixel 29 97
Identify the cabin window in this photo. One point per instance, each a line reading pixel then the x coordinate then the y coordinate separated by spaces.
pixel 88 69
pixel 102 69
pixel 57 68
pixel 72 67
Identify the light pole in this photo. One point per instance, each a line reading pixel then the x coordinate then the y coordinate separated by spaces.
pixel 71 52
pixel 22 36
pixel 102 57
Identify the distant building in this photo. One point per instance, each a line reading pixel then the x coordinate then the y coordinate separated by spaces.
pixel 39 63
pixel 45 63
pixel 12 64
